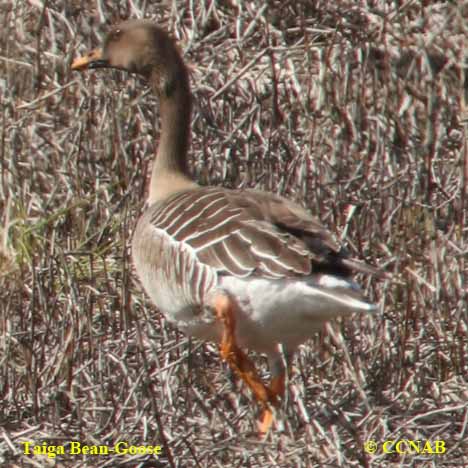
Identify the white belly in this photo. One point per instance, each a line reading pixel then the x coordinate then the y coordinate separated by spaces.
pixel 289 311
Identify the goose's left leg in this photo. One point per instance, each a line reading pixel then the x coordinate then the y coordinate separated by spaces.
pixel 241 364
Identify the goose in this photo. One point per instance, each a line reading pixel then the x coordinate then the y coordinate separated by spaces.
pixel 247 269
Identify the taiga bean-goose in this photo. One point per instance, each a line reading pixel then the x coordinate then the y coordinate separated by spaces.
pixel 244 268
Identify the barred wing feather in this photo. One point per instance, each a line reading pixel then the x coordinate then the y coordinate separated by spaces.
pixel 245 233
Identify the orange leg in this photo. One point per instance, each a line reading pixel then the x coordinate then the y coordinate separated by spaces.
pixel 277 386
pixel 243 366
pixel 280 365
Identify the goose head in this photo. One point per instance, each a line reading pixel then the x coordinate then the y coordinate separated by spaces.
pixel 141 47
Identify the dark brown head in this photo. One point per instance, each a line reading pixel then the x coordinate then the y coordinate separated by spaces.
pixel 139 46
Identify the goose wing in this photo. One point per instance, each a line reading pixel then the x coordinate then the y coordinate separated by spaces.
pixel 246 232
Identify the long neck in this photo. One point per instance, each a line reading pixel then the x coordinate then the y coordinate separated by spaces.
pixel 170 170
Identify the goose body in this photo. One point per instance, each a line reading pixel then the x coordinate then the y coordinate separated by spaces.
pixel 201 242
pixel 244 268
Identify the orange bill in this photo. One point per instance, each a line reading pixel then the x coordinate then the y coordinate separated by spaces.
pixel 82 63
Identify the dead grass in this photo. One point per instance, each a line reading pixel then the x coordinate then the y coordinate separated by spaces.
pixel 351 108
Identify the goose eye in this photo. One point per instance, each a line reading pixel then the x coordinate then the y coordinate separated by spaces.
pixel 116 34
